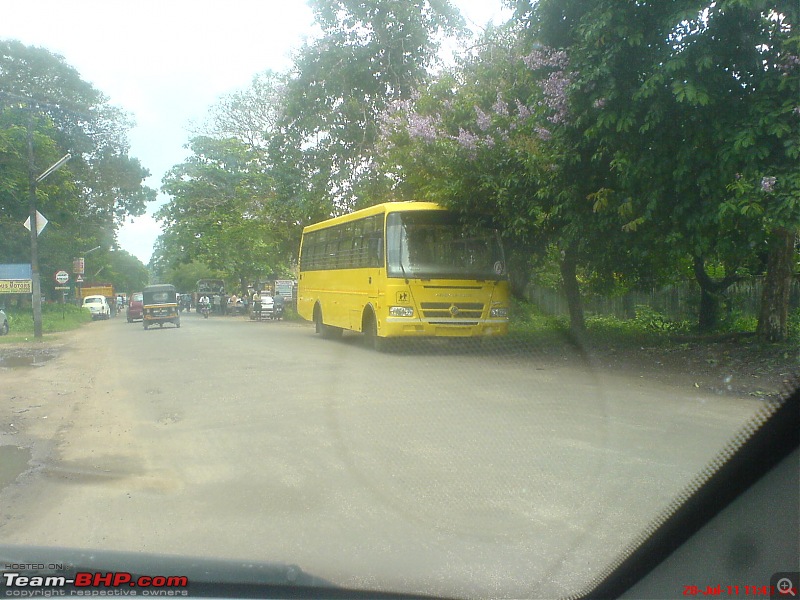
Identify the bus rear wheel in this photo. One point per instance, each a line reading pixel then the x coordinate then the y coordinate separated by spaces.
pixel 326 331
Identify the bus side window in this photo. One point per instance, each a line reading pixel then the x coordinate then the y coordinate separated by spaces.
pixel 375 250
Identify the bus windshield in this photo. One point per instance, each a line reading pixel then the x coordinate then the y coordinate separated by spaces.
pixel 433 244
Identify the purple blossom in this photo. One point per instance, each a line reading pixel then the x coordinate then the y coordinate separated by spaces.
pixel 768 184
pixel 544 134
pixel 523 111
pixel 393 117
pixel 545 57
pixel 483 119
pixel 423 127
pixel 467 139
pixel 556 85
pixel 500 107
pixel 555 93
pixel 788 63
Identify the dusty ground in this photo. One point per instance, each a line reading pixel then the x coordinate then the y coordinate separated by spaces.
pixel 733 365
pixel 736 365
pixel 440 468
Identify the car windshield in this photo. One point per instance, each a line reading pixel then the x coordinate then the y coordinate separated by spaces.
pixel 450 298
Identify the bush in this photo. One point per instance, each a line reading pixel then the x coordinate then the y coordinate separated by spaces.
pixel 794 326
pixel 652 320
pixel 55 317
pixel 527 317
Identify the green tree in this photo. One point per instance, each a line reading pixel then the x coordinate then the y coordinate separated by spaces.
pixel 218 213
pixel 691 104
pixel 87 199
pixel 369 54
pixel 494 141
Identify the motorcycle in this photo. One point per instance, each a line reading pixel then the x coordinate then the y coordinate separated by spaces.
pixel 204 310
pixel 277 310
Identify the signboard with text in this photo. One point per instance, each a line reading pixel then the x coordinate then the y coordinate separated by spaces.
pixel 16 286
pixel 284 287
pixel 16 279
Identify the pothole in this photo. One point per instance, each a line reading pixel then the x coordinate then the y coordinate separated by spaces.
pixel 20 360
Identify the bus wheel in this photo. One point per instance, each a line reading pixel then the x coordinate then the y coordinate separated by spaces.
pixel 370 330
pixel 327 331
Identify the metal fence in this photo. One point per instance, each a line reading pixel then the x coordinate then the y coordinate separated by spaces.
pixel 677 302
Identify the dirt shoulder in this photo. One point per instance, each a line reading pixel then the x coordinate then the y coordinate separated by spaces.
pixel 733 364
pixel 737 365
pixel 40 383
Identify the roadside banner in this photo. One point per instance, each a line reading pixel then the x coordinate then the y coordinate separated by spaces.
pixel 16 279
pixel 284 287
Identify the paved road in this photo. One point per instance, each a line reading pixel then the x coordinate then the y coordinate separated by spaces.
pixel 431 469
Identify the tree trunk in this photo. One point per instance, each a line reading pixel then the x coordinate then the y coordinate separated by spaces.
pixel 573 292
pixel 711 295
pixel 708 315
pixel 774 313
pixel 518 265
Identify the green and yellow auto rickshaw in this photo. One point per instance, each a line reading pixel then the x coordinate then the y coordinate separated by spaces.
pixel 160 305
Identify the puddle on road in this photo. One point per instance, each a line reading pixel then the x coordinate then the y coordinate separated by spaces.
pixel 31 360
pixel 13 463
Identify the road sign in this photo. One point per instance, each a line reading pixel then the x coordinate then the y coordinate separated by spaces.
pixel 284 287
pixel 62 277
pixel 40 223
pixel 79 279
pixel 77 266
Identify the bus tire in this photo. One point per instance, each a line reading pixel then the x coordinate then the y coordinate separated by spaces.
pixel 326 331
pixel 370 329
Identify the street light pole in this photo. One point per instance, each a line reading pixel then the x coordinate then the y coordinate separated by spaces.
pixel 35 283
pixel 36 287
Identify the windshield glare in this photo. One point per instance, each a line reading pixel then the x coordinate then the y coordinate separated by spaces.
pixel 427 245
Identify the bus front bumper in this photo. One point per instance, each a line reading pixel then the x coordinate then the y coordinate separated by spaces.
pixel 410 327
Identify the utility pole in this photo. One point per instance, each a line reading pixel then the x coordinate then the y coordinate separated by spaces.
pixel 36 288
pixel 35 283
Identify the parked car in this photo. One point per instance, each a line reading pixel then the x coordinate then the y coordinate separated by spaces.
pixel 266 307
pixel 3 322
pixel 135 307
pixel 98 306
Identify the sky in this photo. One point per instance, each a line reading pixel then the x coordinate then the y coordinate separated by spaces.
pixel 167 62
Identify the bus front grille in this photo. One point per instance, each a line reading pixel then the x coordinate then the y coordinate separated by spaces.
pixel 452 310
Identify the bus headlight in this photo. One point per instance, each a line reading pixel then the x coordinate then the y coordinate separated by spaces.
pixel 497 313
pixel 401 311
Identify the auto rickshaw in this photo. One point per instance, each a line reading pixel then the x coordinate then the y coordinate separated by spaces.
pixel 160 306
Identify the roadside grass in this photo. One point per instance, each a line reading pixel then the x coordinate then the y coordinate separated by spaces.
pixel 648 327
pixel 55 318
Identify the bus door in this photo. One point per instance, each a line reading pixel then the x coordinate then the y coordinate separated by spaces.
pixel 368 248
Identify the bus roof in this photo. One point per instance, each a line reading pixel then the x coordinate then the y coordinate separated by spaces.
pixel 386 207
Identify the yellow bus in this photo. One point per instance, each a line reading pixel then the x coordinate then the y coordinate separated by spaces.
pixel 402 269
